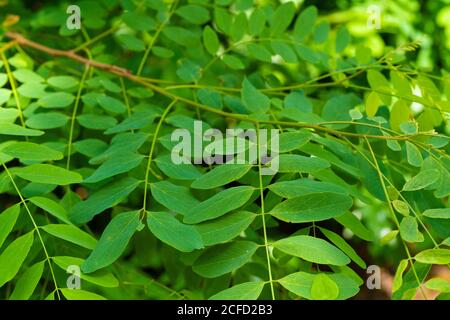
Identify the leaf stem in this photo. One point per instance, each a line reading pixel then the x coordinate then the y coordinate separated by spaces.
pixel 263 217
pixel 12 82
pixel 36 228
pixel 152 149
pixel 386 194
pixel 74 114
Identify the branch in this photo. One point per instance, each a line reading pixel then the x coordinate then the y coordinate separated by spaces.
pixel 68 54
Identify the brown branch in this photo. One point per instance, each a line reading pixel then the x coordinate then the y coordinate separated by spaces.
pixel 68 54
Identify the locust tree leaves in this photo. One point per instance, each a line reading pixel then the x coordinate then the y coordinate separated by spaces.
pixel 243 291
pixel 313 250
pixel 313 207
pixel 8 219
pixel 434 256
pixel 168 229
pixel 253 99
pixel 32 151
pixel 224 258
pixel 86 158
pixel 113 241
pixel 219 204
pixel 301 283
pixel 13 256
pixel 46 173
pixel 103 199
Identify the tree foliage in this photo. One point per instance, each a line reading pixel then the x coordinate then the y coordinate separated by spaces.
pixel 86 118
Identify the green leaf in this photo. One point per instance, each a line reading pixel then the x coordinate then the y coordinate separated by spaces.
pixel 378 81
pixel 28 282
pixel 239 27
pixel 388 237
pixel 302 187
pixel 8 219
pixel 398 278
pixel 438 284
pixel 219 204
pixel 300 283
pixel 173 197
pixel 101 277
pixel 343 39
pixel 242 291
pixel 401 207
pixel 285 51
pixel 33 89
pixel 413 155
pixel 90 147
pixel 256 22
pixel 441 213
pixel 113 241
pixel 72 234
pixel 433 256
pixel 96 122
pixel 210 98
pixel 409 230
pixel 49 120
pixel 225 228
pixel 312 207
pixel 321 32
pixel 254 100
pixel 169 230
pixel 221 175
pixel 121 163
pixel 193 13
pixel 259 52
pixel 400 83
pixel 26 75
pixel 78 294
pixel 339 242
pixel 32 151
pixel 139 21
pixel 400 113
pixel 182 171
pixel 373 102
pixel 282 18
pixel 350 221
pixel 15 130
pixel 297 163
pixel 223 19
pixel 111 104
pixel 289 141
pixel 224 258
pixel 5 94
pixel 13 256
pixel 305 22
pixel 233 62
pixel 103 199
pixel 313 250
pixel 210 40
pixel 422 180
pixel 130 42
pixel 46 173
pixel 63 82
pixel 181 36
pixel 324 288
pixel 50 206
pixel 56 100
